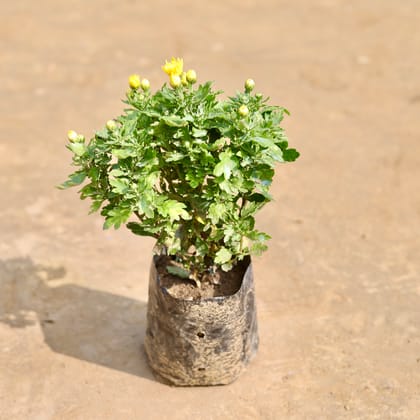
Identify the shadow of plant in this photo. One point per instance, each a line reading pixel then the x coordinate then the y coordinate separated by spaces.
pixel 91 325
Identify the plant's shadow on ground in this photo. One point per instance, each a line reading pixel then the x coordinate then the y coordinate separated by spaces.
pixel 87 324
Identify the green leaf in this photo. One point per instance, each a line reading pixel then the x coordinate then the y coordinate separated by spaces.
pixel 144 206
pixel 174 210
pixel 143 230
pixel 256 198
pixel 282 144
pixel 89 190
pixel 263 174
pixel 228 187
pixel 178 271
pixel 290 155
pixel 174 121
pixel 93 173
pixel 276 153
pixel 198 132
pixel 95 206
pixel 116 217
pixel 78 149
pixel 116 172
pixel 102 134
pixel 265 142
pixel 225 166
pixel 174 156
pixel 193 179
pixel 123 153
pixel 119 185
pixel 259 236
pixel 74 179
pixel 258 248
pixel 222 256
pixel 216 212
pixel 246 224
pixel 230 234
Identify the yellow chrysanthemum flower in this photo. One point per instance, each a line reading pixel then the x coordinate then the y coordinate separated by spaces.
pixel 173 67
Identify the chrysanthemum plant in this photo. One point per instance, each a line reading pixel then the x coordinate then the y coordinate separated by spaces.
pixel 186 168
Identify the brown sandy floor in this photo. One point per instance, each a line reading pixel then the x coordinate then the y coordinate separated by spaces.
pixel 339 289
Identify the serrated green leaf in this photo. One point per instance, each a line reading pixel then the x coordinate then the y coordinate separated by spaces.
pixel 144 206
pixel 225 166
pixel 228 187
pixel 216 212
pixel 222 256
pixel 258 248
pixel 119 185
pixel 95 206
pixel 116 217
pixel 74 179
pixel 102 134
pixel 175 210
pixel 89 190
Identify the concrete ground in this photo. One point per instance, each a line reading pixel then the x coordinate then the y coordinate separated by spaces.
pixel 339 289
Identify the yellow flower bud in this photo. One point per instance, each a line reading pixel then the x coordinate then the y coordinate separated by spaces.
pixel 191 76
pixel 174 80
pixel 111 125
pixel 134 81
pixel 249 85
pixel 72 135
pixel 145 84
pixel 243 111
pixel 184 79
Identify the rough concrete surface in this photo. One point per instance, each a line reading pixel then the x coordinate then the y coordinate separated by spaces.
pixel 339 289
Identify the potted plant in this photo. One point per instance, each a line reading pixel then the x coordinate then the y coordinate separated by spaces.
pixel 190 170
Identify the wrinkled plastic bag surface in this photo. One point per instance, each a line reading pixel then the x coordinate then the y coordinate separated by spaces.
pixel 201 342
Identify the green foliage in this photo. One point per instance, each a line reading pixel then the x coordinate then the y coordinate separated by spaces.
pixel 178 271
pixel 187 169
